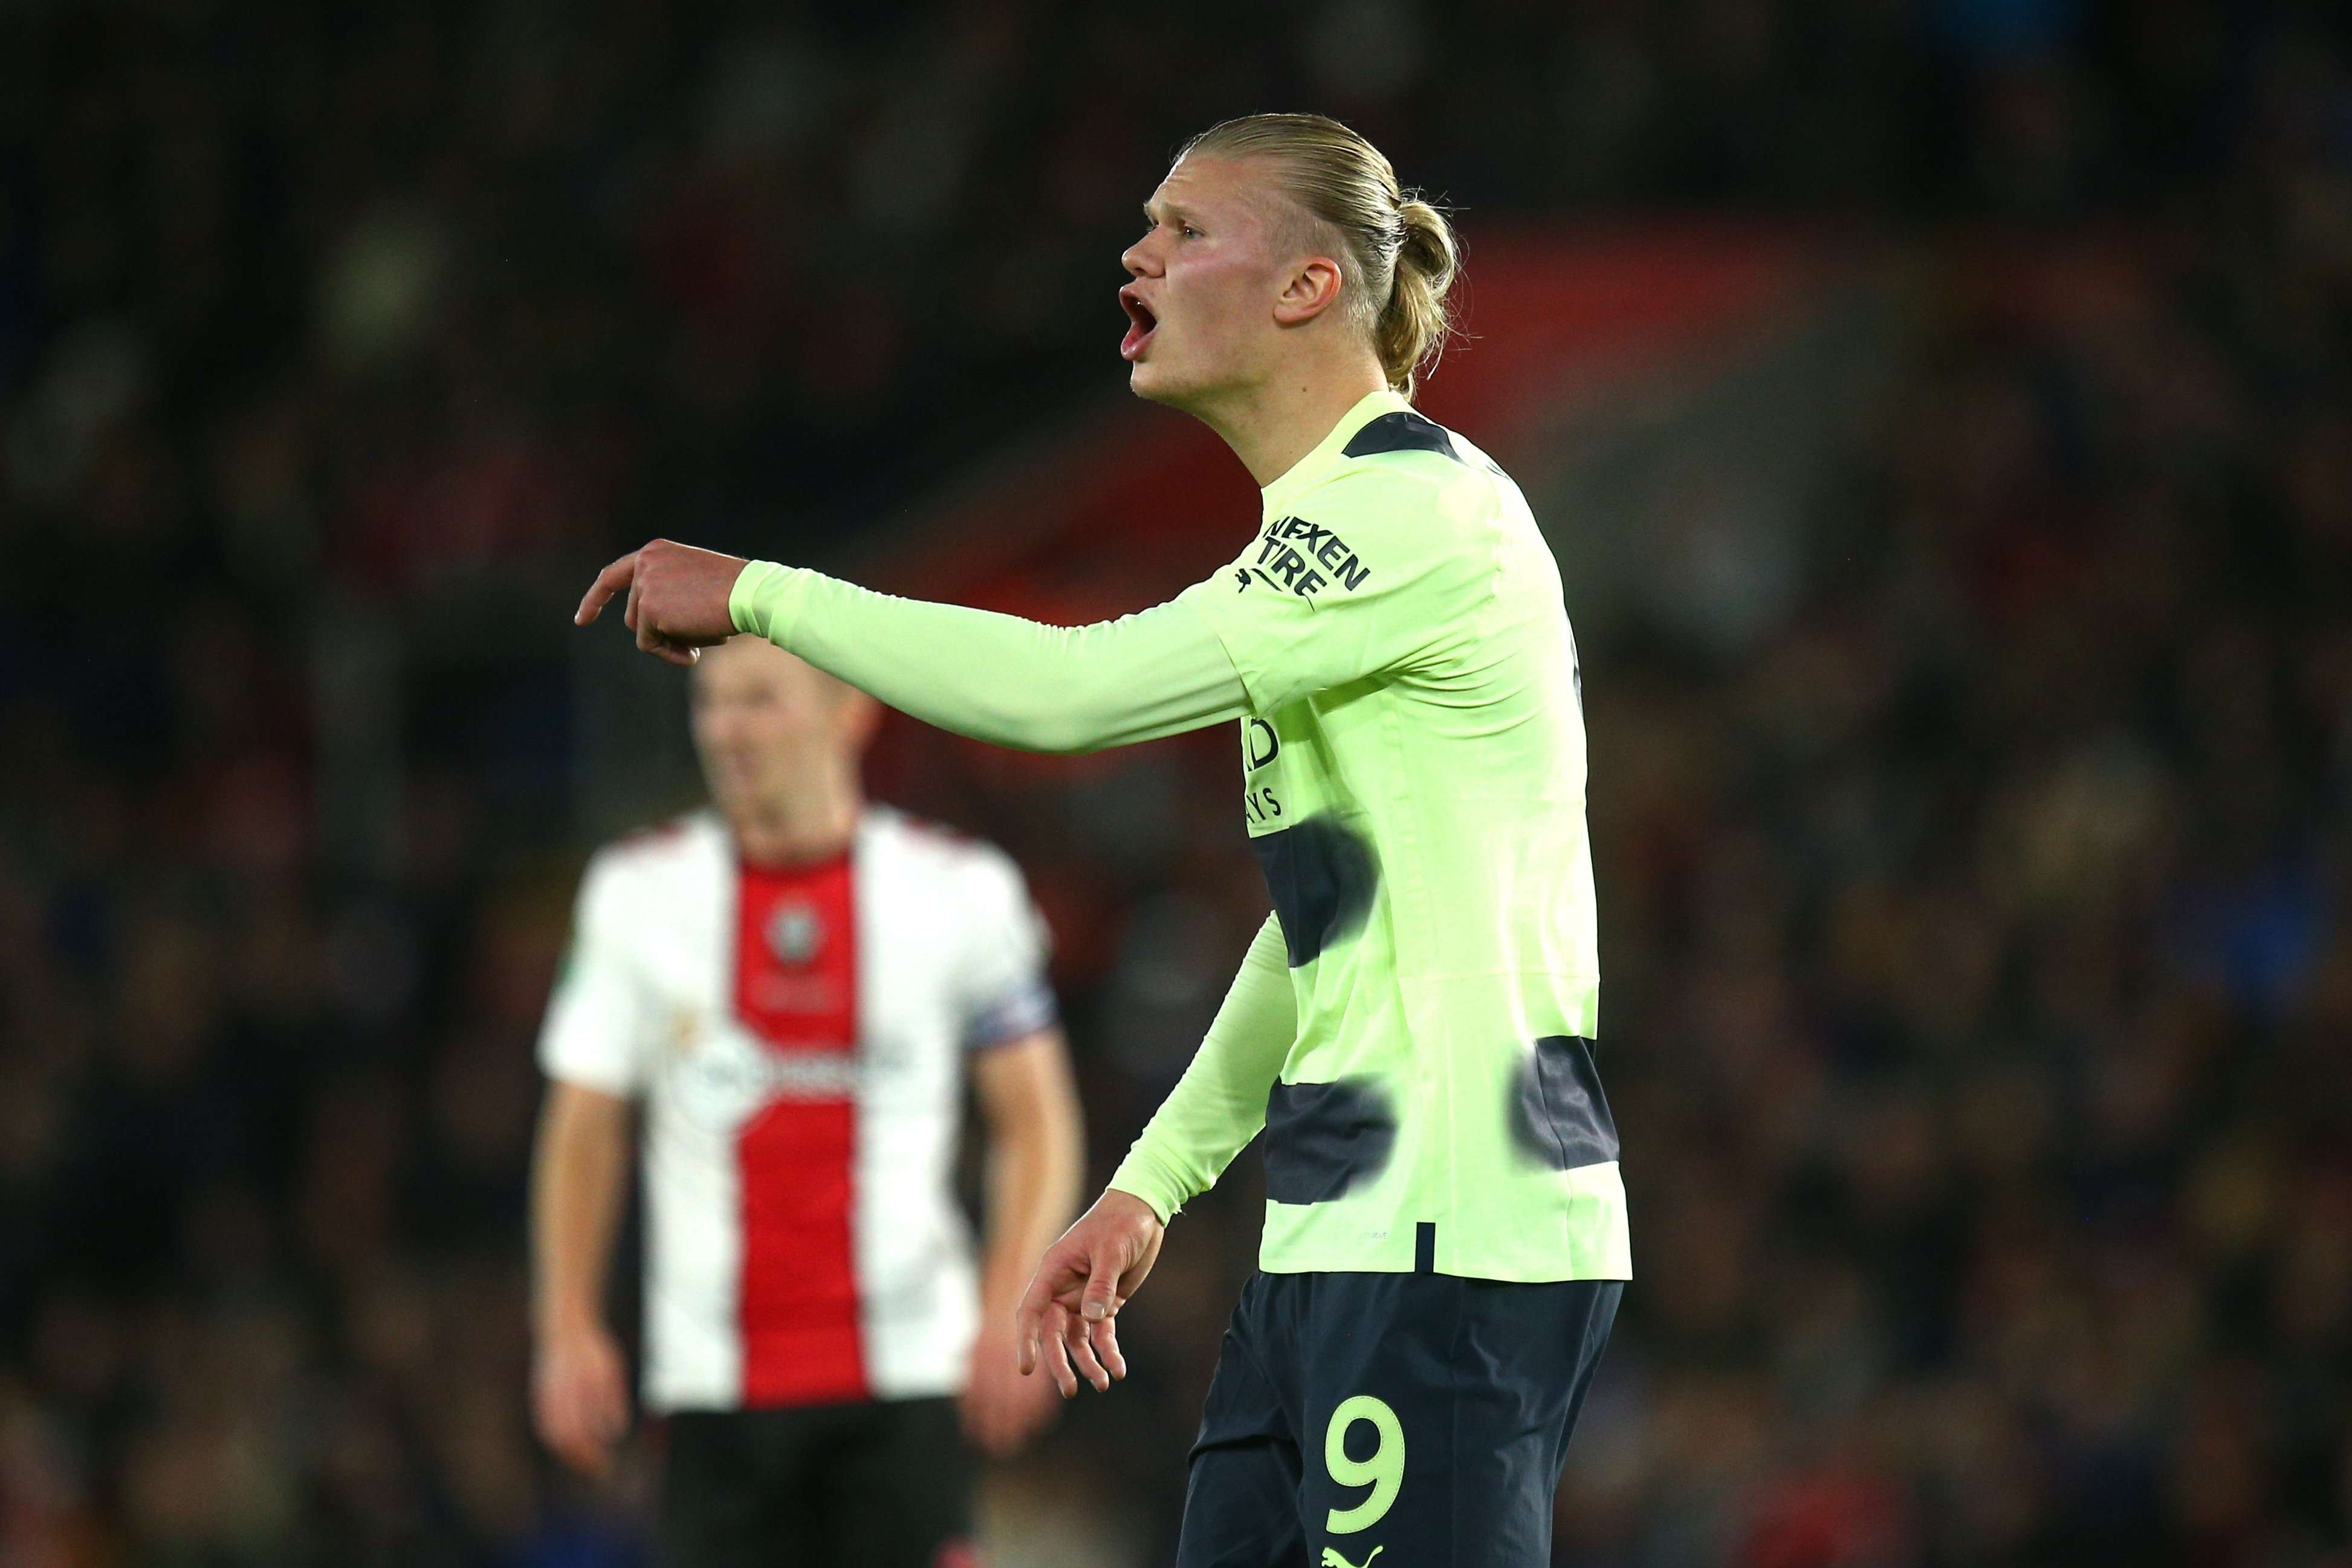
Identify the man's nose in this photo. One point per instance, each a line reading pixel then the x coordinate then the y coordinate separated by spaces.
pixel 1140 259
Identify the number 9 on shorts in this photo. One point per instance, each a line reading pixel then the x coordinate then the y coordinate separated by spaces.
pixel 1382 1469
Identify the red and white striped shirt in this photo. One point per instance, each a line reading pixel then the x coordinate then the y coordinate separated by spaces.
pixel 797 1036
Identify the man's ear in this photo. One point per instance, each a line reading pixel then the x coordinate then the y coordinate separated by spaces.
pixel 1311 289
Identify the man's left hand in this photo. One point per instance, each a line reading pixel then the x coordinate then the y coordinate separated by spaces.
pixel 677 598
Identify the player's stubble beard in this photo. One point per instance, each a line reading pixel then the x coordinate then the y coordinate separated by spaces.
pixel 1217 394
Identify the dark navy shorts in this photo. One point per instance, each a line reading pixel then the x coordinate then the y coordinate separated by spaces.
pixel 884 1484
pixel 1415 1415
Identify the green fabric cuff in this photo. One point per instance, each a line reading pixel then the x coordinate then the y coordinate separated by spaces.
pixel 764 599
pixel 1139 1176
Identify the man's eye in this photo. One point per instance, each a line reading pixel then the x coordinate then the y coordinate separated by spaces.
pixel 1189 231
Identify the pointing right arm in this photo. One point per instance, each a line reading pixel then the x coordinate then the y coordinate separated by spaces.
pixel 996 678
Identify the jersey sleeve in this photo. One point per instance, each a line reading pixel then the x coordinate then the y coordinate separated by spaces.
pixel 1002 990
pixel 596 1028
pixel 1381 570
pixel 1000 678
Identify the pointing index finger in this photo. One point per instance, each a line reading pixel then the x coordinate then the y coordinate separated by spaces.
pixel 620 574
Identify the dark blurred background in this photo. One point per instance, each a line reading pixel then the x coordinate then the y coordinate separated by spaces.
pixel 1942 409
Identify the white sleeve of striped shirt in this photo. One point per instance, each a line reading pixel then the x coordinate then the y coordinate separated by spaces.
pixel 597 1025
pixel 1001 988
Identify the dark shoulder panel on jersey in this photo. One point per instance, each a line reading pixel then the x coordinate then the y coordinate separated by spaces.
pixel 1403 431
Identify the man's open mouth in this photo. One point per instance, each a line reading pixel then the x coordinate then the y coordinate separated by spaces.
pixel 1141 324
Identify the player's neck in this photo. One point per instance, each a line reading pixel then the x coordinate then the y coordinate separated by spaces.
pixel 795 829
pixel 1273 424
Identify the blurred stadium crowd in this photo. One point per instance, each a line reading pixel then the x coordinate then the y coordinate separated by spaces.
pixel 1979 985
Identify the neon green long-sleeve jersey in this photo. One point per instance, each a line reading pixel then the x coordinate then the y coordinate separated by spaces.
pixel 1414 1028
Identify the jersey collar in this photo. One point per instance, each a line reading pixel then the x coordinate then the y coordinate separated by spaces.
pixel 1320 462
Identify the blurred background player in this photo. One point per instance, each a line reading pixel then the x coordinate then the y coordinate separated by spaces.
pixel 796 986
